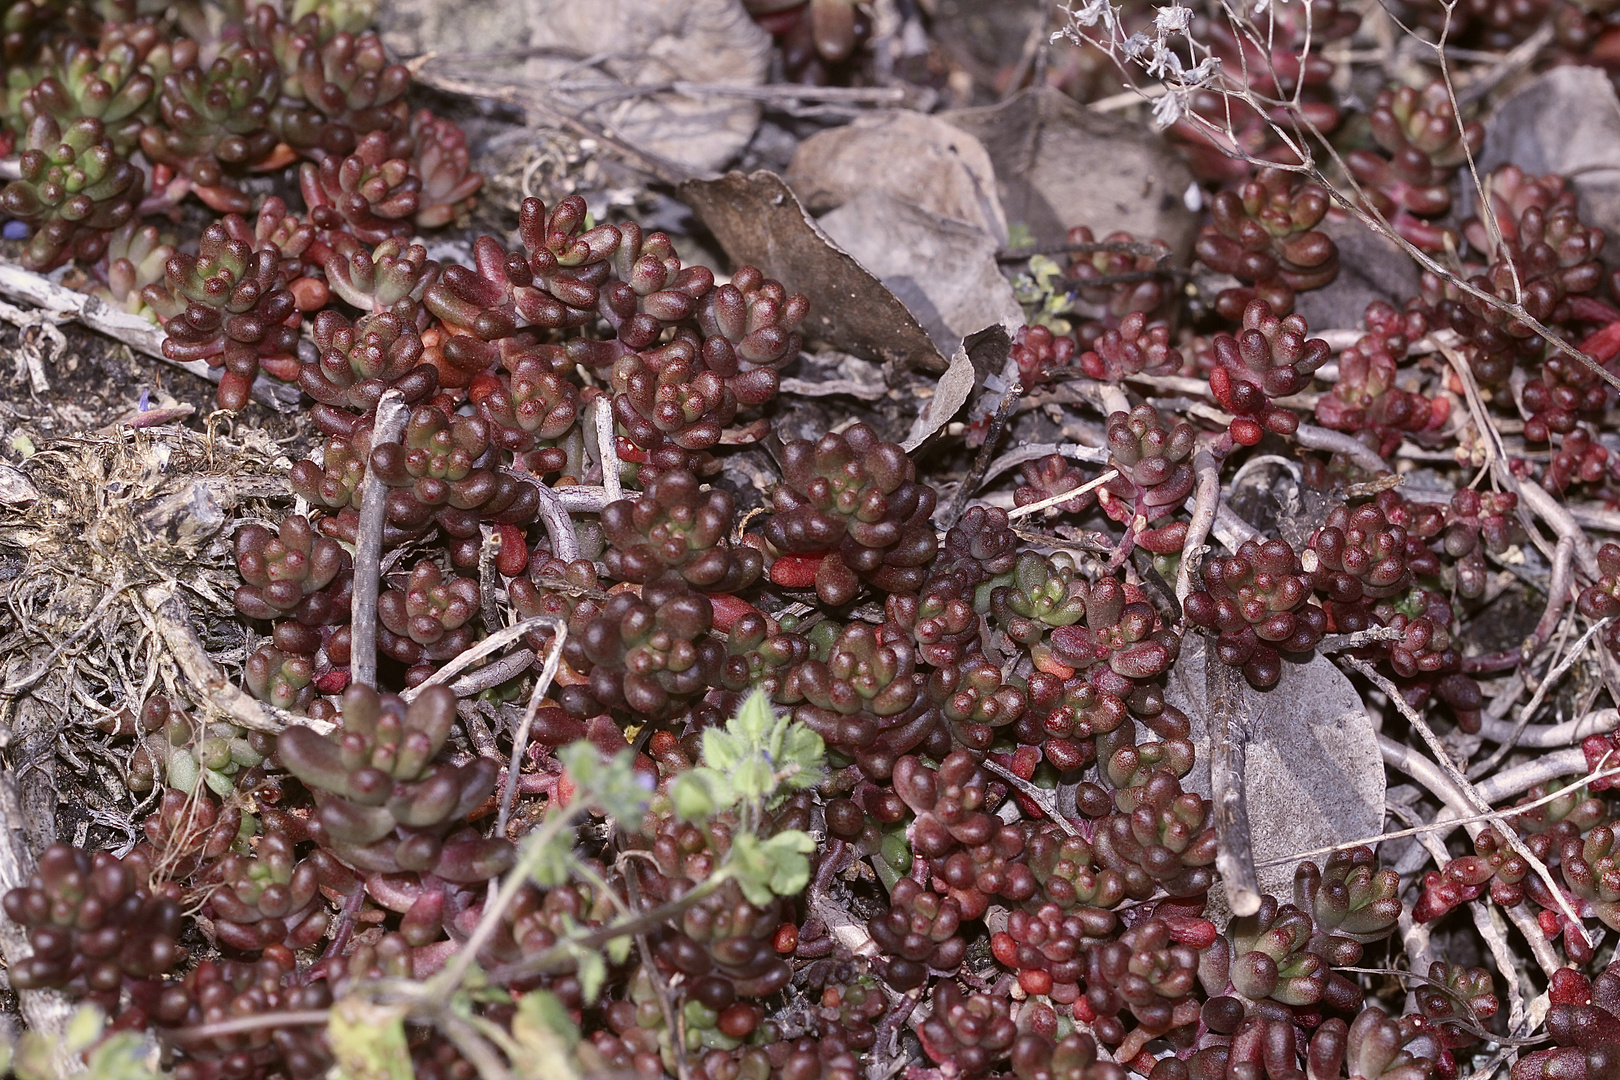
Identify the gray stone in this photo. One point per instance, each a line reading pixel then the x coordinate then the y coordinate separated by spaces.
pixel 1370 268
pixel 1059 165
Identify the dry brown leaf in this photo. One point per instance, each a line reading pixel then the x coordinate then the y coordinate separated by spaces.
pixel 759 222
pixel 944 271
pixel 920 159
pixel 950 394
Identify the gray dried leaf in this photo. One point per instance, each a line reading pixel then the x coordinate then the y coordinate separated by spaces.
pixel 918 158
pixel 1315 776
pixel 759 222
pixel 15 487
pixel 654 45
pixel 943 270
pixel 1047 149
pixel 950 394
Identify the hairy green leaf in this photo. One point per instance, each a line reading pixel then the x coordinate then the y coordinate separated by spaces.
pixel 766 869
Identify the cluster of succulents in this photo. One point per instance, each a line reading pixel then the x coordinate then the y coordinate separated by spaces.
pixel 970 715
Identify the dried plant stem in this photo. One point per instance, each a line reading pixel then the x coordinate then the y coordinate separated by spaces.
pixel 1438 825
pixel 607 449
pixel 1485 767
pixel 1463 796
pixel 559 527
pixel 1404 758
pixel 1556 515
pixel 1558 592
pixel 1488 922
pixel 241 1025
pixel 501 671
pixel 981 461
pixel 520 739
pixel 489 578
pixel 387 428
pixel 1547 736
pixel 139 334
pixel 488 646
pixel 1228 759
pixel 1337 442
pixel 1041 797
pixel 1094 455
pixel 587 498
pixel 1206 501
pixel 91 622
pixel 172 622
pixel 1037 507
pixel 1532 496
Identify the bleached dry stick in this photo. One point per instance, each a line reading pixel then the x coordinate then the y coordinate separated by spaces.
pixel 138 333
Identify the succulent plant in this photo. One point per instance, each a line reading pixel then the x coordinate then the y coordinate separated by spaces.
pixel 286 572
pixel 1367 398
pixel 1259 601
pixel 339 86
pixel 385 804
pixel 1119 298
pixel 74 188
pixel 427 620
pixel 1264 234
pixel 367 194
pixel 853 499
pixel 106 85
pixel 1155 477
pixel 972 1032
pixel 379 278
pixel 1048 477
pixel 1584 1022
pixel 449 186
pixel 1073 1057
pixel 1134 347
pixel 93 923
pixel 272 898
pixel 1419 132
pixel 649 653
pixel 1547 260
pixel 362 360
pixel 1270 357
pixel 222 990
pixel 226 306
pixel 750 327
pixel 136 257
pixel 674 526
pixel 215 122
pixel 1040 354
